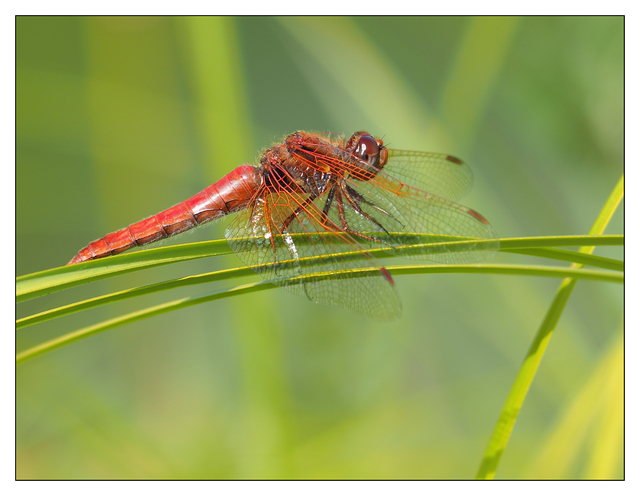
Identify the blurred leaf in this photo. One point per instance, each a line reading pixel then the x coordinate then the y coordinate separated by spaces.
pixel 480 58
pixel 524 378
pixel 591 425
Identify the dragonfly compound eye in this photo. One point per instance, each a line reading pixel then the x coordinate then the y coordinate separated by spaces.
pixel 368 150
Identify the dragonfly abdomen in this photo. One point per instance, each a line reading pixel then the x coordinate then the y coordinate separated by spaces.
pixel 229 194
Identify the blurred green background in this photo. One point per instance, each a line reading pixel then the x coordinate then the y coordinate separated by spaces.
pixel 119 118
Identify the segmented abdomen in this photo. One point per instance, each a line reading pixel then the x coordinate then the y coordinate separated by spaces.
pixel 229 194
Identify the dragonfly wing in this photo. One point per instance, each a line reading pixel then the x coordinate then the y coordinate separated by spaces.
pixel 311 256
pixel 440 174
pixel 407 213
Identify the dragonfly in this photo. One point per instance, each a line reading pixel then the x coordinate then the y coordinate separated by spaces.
pixel 315 209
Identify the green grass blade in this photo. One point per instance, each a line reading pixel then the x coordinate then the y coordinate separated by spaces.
pixel 132 293
pixel 585 421
pixel 522 382
pixel 187 302
pixel 49 281
pixel 589 240
pixel 571 256
pixel 52 280
pixel 246 271
pixel 133 317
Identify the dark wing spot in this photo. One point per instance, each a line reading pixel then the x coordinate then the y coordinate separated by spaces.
pixel 387 276
pixel 478 216
pixel 454 160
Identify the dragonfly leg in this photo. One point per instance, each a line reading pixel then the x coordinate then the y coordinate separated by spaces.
pixel 345 224
pixel 325 221
pixel 355 201
pixel 327 204
pixel 354 204
pixel 361 199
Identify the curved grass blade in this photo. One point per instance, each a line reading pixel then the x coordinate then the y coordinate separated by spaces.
pixel 571 256
pixel 52 280
pixel 230 273
pixel 585 241
pixel 586 422
pixel 367 272
pixel 135 316
pixel 247 271
pixel 132 293
pixel 524 378
pixel 196 250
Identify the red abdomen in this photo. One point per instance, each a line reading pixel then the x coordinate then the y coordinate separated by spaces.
pixel 230 194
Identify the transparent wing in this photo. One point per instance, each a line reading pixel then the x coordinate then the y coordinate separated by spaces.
pixel 437 173
pixel 286 236
pixel 390 206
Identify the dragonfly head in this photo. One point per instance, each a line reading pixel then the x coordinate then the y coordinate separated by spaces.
pixel 371 153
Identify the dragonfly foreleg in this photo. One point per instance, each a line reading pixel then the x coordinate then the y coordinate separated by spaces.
pixel 361 199
pixel 327 204
pixel 345 224
pixel 355 205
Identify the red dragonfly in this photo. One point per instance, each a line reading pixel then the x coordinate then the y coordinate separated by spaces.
pixel 328 196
